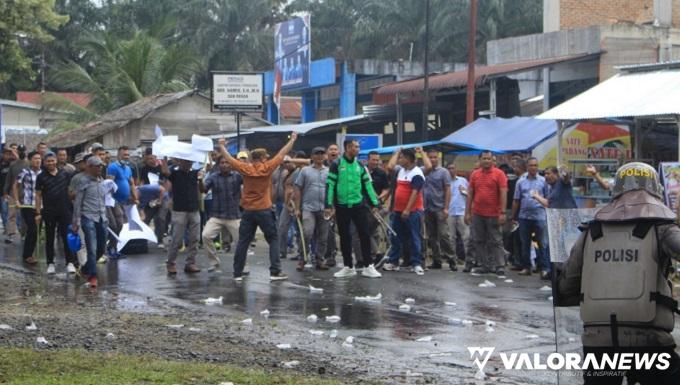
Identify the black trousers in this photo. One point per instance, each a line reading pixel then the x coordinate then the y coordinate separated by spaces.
pixel 28 215
pixel 59 222
pixel 359 216
pixel 654 376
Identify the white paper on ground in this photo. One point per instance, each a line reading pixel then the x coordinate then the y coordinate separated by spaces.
pixel 134 229
pixel 265 313
pixel 174 326
pixel 110 336
pixel 450 304
pixel 213 301
pixel 508 281
pixel 291 364
pixel 5 327
pixel 247 321
pixel 316 332
pixel 283 346
pixel 410 301
pixel 409 373
pixel 424 339
pixel 312 318
pixel 546 288
pixel 42 341
pixel 31 327
pixel 404 307
pixel 332 319
pixel 369 298
pixel 333 334
pixel 487 283
pixel 313 289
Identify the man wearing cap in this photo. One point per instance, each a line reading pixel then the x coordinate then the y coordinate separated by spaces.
pixel 310 192
pixel 257 205
pixel 89 212
pixel 24 193
pixel 52 205
pixel 17 166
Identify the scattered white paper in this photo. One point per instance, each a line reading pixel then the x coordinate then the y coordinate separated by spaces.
pixel 226 383
pixel 572 339
pixel 313 289
pixel 404 307
pixel 501 277
pixel 312 318
pixel 247 321
pixel 332 319
pixel 265 313
pixel 424 339
pixel 546 288
pixel 532 336
pixel 410 301
pixel 42 341
pixel 291 364
pixel 213 301
pixel 283 346
pixel 110 337
pixel 455 321
pixel 316 332
pixel 349 340
pixel 251 253
pixel 434 355
pixel 175 326
pixel 31 327
pixel 487 283
pixel 347 346
pixel 409 373
pixel 467 322
pixel 490 323
pixel 195 330
pixel 450 304
pixel 333 334
pixel 369 298
pixel 489 329
pixel 508 281
pixel 5 327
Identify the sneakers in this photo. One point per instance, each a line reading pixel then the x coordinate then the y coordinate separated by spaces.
pixel 383 260
pixel 545 276
pixel 8 240
pixel 238 278
pixel 277 276
pixel 191 268
pixel 213 268
pixel 31 260
pixel 161 246
pixel 371 272
pixel 500 272
pixel 418 270
pixel 50 268
pixel 526 272
pixel 92 281
pixel 345 272
pixel 480 271
pixel 390 267
pixel 102 260
pixel 70 268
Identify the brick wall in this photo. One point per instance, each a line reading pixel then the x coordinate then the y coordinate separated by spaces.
pixel 583 13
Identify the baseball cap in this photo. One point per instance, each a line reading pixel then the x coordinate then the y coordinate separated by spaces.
pixel 94 161
pixel 48 154
pixel 318 150
pixel 242 154
pixel 79 157
pixel 96 146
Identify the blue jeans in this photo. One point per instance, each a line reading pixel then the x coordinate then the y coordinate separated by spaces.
pixel 406 230
pixel 5 213
pixel 540 227
pixel 250 220
pixel 95 243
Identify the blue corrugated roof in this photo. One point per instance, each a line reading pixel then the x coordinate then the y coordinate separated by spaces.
pixel 503 135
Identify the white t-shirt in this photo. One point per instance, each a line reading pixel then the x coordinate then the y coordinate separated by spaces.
pixel 110 187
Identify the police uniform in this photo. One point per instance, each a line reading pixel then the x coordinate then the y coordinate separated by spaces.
pixel 617 273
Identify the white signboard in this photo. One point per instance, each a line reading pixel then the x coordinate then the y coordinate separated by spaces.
pixel 233 91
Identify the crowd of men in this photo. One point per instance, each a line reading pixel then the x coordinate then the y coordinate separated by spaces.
pixel 383 215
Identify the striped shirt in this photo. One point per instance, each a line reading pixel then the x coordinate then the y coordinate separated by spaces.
pixel 27 179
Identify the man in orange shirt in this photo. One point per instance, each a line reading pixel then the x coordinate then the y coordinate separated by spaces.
pixel 257 205
pixel 485 210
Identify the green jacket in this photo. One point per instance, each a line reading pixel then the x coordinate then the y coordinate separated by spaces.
pixel 349 184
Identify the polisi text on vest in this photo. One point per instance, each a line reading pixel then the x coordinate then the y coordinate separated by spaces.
pixel 617 255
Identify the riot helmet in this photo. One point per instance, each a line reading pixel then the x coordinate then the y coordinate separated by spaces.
pixel 637 176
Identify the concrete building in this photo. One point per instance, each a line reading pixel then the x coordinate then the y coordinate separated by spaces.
pixel 615 32
pixel 27 123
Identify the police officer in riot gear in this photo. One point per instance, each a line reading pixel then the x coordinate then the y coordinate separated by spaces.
pixel 617 273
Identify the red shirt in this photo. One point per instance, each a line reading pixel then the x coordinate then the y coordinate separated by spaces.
pixel 486 186
pixel 407 181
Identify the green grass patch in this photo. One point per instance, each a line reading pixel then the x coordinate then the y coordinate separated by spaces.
pixel 68 367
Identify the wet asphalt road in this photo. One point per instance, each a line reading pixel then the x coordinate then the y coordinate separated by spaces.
pixel 520 313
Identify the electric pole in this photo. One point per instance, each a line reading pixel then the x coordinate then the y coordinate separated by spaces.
pixel 426 70
pixel 470 95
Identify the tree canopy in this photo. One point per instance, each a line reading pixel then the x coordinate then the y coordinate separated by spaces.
pixel 121 50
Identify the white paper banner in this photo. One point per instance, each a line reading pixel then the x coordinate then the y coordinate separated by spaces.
pixel 170 146
pixel 563 230
pixel 134 229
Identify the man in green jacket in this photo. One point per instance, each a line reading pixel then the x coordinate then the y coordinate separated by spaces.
pixel 349 191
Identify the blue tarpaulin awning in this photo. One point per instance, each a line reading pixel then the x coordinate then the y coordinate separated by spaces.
pixel 503 135
pixel 390 149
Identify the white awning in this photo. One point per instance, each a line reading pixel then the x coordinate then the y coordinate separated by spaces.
pixel 305 128
pixel 637 94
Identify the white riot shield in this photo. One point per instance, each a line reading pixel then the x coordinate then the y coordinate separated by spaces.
pixel 563 232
